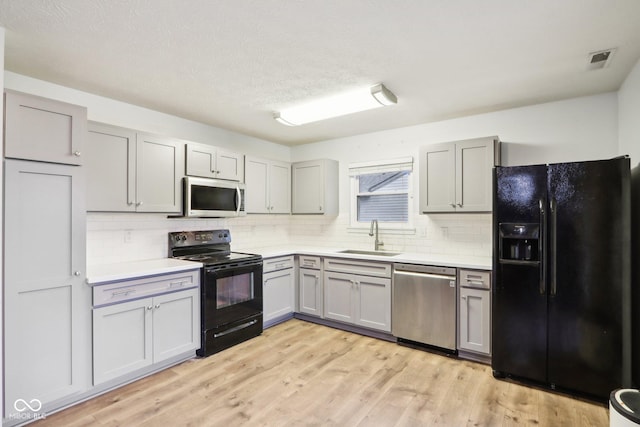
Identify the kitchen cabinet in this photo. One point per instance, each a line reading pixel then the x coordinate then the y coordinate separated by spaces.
pixel 47 304
pixel 129 171
pixel 474 323
pixel 44 129
pixel 358 299
pixel 315 187
pixel 267 186
pixel 310 286
pixel 457 176
pixel 278 290
pixel 212 162
pixel 138 323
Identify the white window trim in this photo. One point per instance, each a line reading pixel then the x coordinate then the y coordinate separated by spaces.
pixel 388 165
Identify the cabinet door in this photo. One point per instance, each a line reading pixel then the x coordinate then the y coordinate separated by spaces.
pixel 201 160
pixel 279 188
pixel 111 168
pixel 339 297
pixel 437 178
pixel 257 185
pixel 475 320
pixel 176 324
pixel 474 163
pixel 159 171
pixel 229 165
pixel 308 188
pixel 122 339
pixel 373 303
pixel 310 292
pixel 44 129
pixel 47 304
pixel 278 294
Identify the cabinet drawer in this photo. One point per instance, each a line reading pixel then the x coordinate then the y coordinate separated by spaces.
pixel 307 261
pixel 358 267
pixel 128 290
pixel 475 279
pixel 275 264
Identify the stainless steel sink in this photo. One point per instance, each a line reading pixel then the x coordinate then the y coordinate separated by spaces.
pixel 361 252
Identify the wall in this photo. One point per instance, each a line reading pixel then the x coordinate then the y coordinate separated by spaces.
pixel 629 112
pixel 2 32
pixel 572 130
pixel 535 134
pixel 629 115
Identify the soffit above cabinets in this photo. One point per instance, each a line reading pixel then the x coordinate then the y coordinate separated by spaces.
pixel 230 64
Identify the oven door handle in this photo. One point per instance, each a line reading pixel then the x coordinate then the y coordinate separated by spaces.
pixel 238 200
pixel 236 328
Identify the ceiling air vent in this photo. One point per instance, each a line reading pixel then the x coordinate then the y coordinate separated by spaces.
pixel 600 59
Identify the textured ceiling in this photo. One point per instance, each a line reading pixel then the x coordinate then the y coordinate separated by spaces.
pixel 231 63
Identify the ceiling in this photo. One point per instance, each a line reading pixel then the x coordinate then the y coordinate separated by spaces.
pixel 231 63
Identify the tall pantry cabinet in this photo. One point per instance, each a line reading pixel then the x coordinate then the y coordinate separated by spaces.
pixel 47 304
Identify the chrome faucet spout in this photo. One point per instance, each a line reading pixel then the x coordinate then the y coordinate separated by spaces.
pixel 378 243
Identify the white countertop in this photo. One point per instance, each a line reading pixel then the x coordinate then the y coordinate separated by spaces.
pixel 98 274
pixel 460 261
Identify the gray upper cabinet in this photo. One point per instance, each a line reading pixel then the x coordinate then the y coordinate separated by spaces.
pixel 315 187
pixel 268 186
pixel 44 129
pixel 456 176
pixel 211 162
pixel 47 304
pixel 133 172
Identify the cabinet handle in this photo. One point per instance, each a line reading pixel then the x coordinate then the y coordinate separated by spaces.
pixel 319 208
pixel 157 306
pixel 125 292
pixel 150 307
pixel 453 205
pixel 77 153
pixel 459 204
pixel 129 203
pixel 463 297
pixel 139 204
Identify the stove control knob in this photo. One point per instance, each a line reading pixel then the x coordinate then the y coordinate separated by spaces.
pixel 184 238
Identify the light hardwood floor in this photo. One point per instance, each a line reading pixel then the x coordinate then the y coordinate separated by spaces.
pixel 298 373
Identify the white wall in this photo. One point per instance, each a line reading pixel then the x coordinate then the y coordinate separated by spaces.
pixel 572 130
pixel 577 129
pixel 2 32
pixel 629 116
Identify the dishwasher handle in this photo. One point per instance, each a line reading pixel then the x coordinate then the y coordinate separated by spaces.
pixel 424 269
pixel 425 275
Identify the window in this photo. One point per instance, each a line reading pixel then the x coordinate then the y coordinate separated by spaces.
pixel 381 191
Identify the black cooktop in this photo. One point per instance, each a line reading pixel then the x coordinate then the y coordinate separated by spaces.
pixel 210 247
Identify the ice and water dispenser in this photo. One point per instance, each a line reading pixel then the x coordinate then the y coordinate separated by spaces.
pixel 519 242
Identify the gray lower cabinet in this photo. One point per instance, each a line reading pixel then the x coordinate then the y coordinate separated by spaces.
pixel 358 299
pixel 278 289
pixel 133 334
pixel 310 286
pixel 474 323
pixel 47 304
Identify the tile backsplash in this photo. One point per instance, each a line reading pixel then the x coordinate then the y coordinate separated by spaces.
pixel 119 237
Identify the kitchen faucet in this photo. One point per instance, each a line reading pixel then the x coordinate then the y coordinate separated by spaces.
pixel 378 242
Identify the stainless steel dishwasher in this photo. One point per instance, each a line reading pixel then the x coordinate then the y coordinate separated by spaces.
pixel 424 305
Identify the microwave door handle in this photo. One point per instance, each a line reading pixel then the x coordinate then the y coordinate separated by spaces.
pixel 238 200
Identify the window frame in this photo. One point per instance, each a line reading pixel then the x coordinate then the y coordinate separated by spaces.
pixel 387 165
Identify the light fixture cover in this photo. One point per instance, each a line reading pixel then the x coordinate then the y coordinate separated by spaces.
pixel 337 105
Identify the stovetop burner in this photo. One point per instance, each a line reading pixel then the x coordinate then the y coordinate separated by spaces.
pixel 210 247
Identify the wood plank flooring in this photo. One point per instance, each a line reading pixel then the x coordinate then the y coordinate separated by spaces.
pixel 302 374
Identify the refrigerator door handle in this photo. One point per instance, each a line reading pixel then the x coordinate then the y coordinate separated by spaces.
pixel 554 240
pixel 541 250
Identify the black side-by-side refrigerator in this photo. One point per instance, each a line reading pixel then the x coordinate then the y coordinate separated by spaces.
pixel 561 265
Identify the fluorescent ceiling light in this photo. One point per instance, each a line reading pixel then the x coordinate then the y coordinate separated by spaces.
pixel 337 105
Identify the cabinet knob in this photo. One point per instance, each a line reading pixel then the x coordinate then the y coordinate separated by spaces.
pixel 139 204
pixel 157 306
pixel 460 205
pixel 463 297
pixel 76 273
pixel 319 208
pixel 77 153
pixel 150 307
pixel 453 205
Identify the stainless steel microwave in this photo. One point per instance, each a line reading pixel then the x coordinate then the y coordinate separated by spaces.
pixel 212 198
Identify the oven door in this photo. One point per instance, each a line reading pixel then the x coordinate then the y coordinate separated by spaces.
pixel 231 294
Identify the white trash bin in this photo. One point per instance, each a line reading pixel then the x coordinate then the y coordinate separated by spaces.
pixel 624 408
